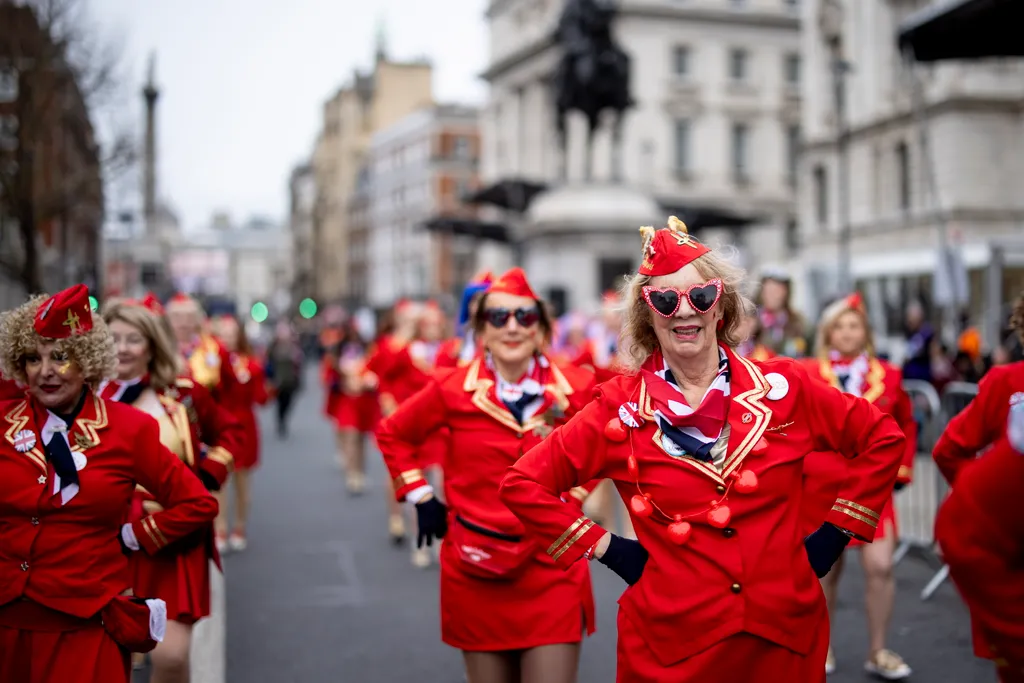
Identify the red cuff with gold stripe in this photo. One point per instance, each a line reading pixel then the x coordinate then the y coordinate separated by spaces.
pixel 575 541
pixel 149 535
pixel 855 518
pixel 218 464
pixel 407 481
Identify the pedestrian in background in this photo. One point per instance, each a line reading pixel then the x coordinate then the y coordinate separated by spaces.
pixel 284 372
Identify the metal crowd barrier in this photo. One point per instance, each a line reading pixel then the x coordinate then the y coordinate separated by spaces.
pixel 918 504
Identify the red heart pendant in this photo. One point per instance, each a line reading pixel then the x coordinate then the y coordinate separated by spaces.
pixel 746 482
pixel 679 532
pixel 616 431
pixel 632 467
pixel 640 506
pixel 719 517
pixel 760 448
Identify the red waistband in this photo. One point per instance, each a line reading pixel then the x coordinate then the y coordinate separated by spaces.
pixel 26 615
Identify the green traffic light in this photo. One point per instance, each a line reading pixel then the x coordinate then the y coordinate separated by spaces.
pixel 307 308
pixel 93 303
pixel 260 312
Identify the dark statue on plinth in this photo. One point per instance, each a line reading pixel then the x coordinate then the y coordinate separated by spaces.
pixel 592 76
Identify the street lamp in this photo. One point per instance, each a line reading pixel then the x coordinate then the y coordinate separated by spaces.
pixel 830 22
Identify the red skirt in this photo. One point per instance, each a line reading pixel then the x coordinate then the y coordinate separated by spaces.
pixel 247 452
pixel 543 606
pixel 737 659
pixel 181 578
pixel 86 655
pixel 332 399
pixel 361 413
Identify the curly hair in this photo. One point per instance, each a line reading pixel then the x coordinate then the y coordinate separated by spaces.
pixel 93 351
pixel 164 365
pixel 1017 317
pixel 638 330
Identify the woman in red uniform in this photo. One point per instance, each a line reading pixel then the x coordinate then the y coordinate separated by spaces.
pixel 146 379
pixel 357 411
pixel 250 391
pixel 708 449
pixel 979 425
pixel 515 615
pixel 846 360
pixel 69 464
pixel 980 528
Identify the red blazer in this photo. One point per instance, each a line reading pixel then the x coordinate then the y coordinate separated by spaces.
pixel 982 421
pixel 209 364
pixel 249 391
pixel 980 528
pixel 586 359
pixel 216 433
pixel 44 546
pixel 399 374
pixel 753 575
pixel 485 437
pixel 824 473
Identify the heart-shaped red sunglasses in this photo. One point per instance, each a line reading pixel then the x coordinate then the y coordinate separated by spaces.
pixel 665 301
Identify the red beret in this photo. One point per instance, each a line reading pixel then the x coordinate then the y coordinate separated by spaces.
pixel 513 282
pixel 669 249
pixel 65 314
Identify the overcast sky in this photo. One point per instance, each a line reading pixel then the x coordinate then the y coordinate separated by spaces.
pixel 242 83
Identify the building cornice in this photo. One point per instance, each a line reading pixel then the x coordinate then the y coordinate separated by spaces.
pixel 518 57
pixel 961 104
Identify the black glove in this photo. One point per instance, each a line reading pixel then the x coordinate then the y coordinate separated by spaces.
pixel 899 486
pixel 431 521
pixel 208 480
pixel 124 546
pixel 626 558
pixel 824 548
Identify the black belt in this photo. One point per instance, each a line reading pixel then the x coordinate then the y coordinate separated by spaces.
pixel 484 531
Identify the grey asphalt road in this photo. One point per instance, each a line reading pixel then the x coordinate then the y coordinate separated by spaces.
pixel 321 596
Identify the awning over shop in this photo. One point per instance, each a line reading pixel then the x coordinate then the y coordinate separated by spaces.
pixel 965 29
pixel 495 232
pixel 512 194
pixel 697 217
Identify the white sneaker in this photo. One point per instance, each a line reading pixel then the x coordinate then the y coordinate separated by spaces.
pixel 222 544
pixel 887 665
pixel 421 557
pixel 830 662
pixel 237 543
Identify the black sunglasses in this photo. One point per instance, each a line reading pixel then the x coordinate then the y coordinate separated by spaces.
pixel 499 317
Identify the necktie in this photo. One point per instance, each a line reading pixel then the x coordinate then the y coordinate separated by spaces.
pixel 519 405
pixel 132 392
pixel 58 452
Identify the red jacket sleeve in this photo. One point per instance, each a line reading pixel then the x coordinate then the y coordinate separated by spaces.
pixel 187 505
pixel 220 432
pixel 972 429
pixel 401 434
pixel 903 413
pixel 981 532
pixel 573 453
pixel 258 379
pixel 861 433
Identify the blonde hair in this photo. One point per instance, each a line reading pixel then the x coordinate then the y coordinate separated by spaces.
pixel 93 352
pixel 830 316
pixel 164 365
pixel 638 330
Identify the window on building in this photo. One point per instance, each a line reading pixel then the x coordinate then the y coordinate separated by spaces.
pixel 903 174
pixel 820 195
pixel 8 132
pixel 682 146
pixel 738 64
pixel 462 190
pixel 740 151
pixel 681 61
pixel 8 84
pixel 461 147
pixel 792 69
pixel 792 236
pixel 611 271
pixel 792 153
